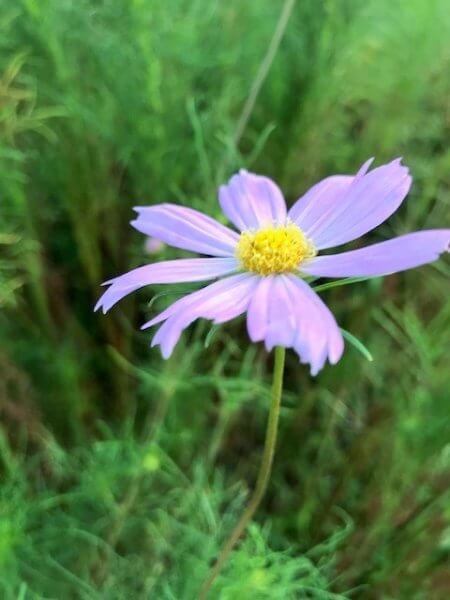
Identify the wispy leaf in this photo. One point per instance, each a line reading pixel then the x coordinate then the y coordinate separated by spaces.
pixel 356 343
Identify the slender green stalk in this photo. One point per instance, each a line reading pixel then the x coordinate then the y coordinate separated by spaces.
pixel 263 475
pixel 263 69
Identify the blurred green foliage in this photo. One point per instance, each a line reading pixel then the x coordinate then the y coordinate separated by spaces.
pixel 122 473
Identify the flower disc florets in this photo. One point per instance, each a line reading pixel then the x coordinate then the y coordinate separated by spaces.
pixel 274 249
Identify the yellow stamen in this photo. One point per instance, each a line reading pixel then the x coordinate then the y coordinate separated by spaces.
pixel 274 249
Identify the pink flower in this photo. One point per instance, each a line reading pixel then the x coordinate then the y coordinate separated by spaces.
pixel 261 269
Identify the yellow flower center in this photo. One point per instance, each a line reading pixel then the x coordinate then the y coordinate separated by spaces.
pixel 274 249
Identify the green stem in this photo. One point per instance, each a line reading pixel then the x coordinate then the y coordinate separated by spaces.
pixel 263 70
pixel 263 475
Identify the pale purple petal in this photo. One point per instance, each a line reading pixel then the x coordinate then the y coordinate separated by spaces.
pixel 186 228
pixel 282 316
pixel 216 288
pixel 318 335
pixel 285 311
pixel 323 198
pixel 219 302
pixel 401 253
pixel 169 271
pixel 252 201
pixel 258 311
pixel 320 199
pixel 368 201
pixel 270 316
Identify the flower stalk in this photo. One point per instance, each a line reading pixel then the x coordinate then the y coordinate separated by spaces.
pixel 263 475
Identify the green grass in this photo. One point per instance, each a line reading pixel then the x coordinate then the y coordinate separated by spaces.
pixel 122 473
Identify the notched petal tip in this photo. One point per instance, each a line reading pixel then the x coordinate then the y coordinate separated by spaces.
pixel 364 167
pixel 101 305
pixel 400 171
pixel 399 162
pixel 155 342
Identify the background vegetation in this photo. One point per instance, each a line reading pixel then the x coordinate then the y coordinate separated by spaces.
pixel 122 473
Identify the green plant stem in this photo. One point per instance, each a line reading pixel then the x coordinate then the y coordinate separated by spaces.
pixel 263 70
pixel 263 475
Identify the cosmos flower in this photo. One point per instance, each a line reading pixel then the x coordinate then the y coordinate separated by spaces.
pixel 261 268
